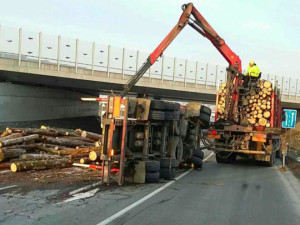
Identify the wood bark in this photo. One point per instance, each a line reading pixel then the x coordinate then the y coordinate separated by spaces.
pixel 78 155
pixel 65 142
pixel 40 165
pixel 19 140
pixel 48 150
pixel 85 160
pixel 6 133
pixel 6 154
pixel 32 157
pixel 75 151
pixel 11 136
pixel 90 135
pixel 94 155
pixel 4 166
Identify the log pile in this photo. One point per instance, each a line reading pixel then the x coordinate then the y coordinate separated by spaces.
pixel 24 149
pixel 255 104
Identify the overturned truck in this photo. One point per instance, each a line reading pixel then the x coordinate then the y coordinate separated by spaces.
pixel 155 136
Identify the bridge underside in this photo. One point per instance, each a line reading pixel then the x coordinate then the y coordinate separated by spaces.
pixel 102 82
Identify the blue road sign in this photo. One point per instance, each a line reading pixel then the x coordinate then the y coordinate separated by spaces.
pixel 290 118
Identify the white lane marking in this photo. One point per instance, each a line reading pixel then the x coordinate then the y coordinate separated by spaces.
pixel 133 205
pixel 78 196
pixel 84 188
pixel 3 188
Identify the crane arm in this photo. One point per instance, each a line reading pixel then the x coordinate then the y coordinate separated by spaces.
pixel 200 25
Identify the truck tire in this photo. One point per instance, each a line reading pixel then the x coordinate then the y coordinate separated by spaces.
pixel 196 161
pixel 167 173
pixel 184 126
pixel 176 106
pixel 152 177
pixel 165 163
pixel 156 115
pixel 157 104
pixel 169 106
pixel 152 166
pixel 205 109
pixel 174 115
pixel 204 119
pixel 198 153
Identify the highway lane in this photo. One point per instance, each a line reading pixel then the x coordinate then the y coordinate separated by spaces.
pixel 241 193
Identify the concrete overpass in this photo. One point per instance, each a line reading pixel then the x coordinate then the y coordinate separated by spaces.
pixel 91 69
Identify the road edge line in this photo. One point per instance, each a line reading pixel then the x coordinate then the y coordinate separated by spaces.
pixel 145 198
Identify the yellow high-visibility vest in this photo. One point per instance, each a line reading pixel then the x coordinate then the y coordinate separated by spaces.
pixel 253 71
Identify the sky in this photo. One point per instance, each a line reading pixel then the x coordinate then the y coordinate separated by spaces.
pixel 266 31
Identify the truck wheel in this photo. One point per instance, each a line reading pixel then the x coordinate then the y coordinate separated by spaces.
pixel 167 173
pixel 157 104
pixel 198 153
pixel 219 159
pixel 196 161
pixel 152 177
pixel 156 115
pixel 165 163
pixel 169 106
pixel 152 166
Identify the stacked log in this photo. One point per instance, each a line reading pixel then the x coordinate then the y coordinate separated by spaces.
pixel 34 149
pixel 256 105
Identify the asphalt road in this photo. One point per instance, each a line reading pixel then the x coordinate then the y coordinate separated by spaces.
pixel 240 193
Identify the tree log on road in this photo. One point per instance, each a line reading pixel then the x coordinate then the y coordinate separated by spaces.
pixel 6 154
pixel 20 140
pixel 40 165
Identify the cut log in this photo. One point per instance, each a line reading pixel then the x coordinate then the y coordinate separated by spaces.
pixel 11 136
pixel 6 133
pixel 252 120
pixel 268 125
pixel 49 150
pixel 32 157
pixel 84 160
pixel 19 140
pixel 90 135
pixel 64 141
pixel 40 165
pixel 75 151
pixel 85 139
pixel 6 154
pixel 4 166
pixel 259 115
pixel 94 155
pixel 78 155
pixel 98 143
pixel 267 84
pixel 262 122
pixel 267 114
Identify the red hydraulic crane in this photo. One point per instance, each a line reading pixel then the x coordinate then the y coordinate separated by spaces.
pixel 194 18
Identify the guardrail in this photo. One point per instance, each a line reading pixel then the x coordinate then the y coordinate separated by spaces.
pixel 50 49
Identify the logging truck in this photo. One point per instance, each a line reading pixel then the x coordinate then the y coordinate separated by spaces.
pixel 247 121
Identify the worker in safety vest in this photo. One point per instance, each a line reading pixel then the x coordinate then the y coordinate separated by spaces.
pixel 252 72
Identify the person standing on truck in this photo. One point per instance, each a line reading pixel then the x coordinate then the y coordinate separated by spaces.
pixel 252 72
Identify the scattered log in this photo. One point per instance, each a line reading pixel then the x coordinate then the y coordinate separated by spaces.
pixel 84 160
pixel 4 166
pixel 85 139
pixel 78 155
pixel 94 155
pixel 6 133
pixel 11 136
pixel 49 150
pixel 267 114
pixel 32 157
pixel 6 154
pixel 40 165
pixel 64 141
pixel 90 135
pixel 75 151
pixel 19 140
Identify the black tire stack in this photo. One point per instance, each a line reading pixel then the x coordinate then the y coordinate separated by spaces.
pixel 166 172
pixel 161 110
pixel 152 171
pixel 197 158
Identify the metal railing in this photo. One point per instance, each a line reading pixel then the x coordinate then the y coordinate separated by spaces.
pixel 48 49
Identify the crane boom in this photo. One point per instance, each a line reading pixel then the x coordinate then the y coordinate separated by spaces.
pixel 197 22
